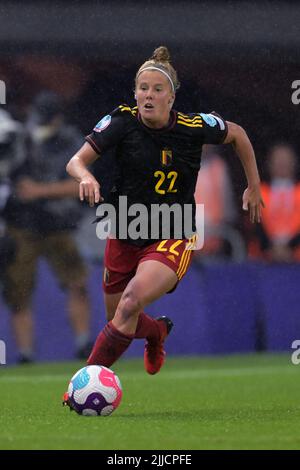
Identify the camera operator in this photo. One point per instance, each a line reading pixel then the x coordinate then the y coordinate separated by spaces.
pixel 42 215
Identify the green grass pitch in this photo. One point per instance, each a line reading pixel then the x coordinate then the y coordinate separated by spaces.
pixel 233 402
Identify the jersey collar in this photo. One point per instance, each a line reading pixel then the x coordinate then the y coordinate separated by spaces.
pixel 171 124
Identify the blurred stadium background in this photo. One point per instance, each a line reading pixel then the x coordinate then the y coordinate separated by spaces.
pixel 237 58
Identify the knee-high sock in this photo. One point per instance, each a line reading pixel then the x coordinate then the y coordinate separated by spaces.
pixel 109 346
pixel 148 328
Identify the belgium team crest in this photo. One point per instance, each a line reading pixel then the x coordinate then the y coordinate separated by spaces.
pixel 166 157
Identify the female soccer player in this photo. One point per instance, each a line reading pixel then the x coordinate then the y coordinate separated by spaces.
pixel 158 153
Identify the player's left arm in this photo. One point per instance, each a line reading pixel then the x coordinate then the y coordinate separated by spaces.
pixel 252 199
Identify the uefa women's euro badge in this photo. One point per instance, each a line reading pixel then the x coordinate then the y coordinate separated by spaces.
pixel 209 119
pixel 103 124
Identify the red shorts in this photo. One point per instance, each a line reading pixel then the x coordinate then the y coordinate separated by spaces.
pixel 121 260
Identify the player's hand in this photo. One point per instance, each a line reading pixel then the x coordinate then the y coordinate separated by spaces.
pixel 89 190
pixel 253 201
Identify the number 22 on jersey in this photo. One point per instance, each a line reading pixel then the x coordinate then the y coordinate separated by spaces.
pixel 166 182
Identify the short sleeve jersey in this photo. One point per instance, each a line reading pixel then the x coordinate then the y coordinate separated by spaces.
pixel 157 166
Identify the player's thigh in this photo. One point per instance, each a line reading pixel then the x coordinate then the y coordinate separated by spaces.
pixel 153 279
pixel 111 302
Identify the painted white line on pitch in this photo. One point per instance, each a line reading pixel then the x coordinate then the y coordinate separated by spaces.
pixel 167 375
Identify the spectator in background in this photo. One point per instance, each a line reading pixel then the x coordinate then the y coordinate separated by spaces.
pixel 278 237
pixel 41 214
pixel 214 190
pixel 12 155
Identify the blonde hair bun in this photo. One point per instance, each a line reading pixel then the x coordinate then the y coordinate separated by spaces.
pixel 161 54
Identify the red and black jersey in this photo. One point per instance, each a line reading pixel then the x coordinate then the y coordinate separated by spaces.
pixel 157 166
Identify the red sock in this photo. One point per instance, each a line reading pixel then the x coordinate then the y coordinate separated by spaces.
pixel 147 327
pixel 109 346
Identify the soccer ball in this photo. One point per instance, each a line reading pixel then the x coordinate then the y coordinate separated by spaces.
pixel 94 391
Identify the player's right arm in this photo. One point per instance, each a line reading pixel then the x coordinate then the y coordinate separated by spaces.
pixel 106 134
pixel 89 188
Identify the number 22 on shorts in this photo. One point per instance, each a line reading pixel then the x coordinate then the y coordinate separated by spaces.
pixel 172 249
